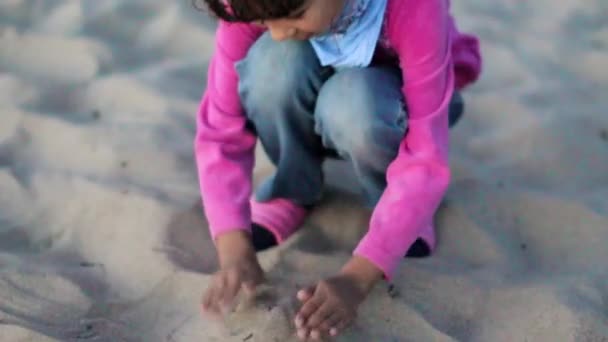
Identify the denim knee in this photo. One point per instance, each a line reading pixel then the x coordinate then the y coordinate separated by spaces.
pixel 354 120
pixel 271 73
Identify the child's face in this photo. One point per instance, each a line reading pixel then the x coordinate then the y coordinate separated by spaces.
pixel 313 18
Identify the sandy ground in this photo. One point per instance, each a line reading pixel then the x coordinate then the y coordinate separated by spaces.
pixel 101 232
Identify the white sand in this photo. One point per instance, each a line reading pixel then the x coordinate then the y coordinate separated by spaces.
pixel 101 233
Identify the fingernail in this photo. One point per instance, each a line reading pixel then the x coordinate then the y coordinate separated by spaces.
pixel 304 293
pixel 299 321
pixel 302 334
pixel 333 331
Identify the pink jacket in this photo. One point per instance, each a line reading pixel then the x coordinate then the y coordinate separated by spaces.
pixel 435 59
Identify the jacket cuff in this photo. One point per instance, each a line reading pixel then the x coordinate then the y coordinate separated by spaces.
pixel 227 222
pixel 372 250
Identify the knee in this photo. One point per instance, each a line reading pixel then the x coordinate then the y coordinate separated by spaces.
pixel 271 72
pixel 349 117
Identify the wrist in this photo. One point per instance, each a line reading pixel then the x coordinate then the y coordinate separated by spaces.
pixel 234 245
pixel 363 272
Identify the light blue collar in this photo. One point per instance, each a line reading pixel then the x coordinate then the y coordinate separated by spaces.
pixel 352 40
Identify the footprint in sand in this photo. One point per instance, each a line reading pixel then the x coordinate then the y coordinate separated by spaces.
pixel 188 243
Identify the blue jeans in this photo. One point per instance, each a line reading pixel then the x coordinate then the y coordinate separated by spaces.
pixel 303 113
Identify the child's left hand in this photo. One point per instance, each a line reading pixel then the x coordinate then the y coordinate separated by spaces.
pixel 330 306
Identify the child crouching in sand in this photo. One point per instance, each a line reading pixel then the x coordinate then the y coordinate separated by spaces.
pixel 373 82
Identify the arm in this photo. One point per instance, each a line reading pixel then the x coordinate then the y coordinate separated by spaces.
pixel 419 177
pixel 224 148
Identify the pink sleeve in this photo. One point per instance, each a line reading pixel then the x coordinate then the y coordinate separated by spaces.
pixel 420 32
pixel 224 148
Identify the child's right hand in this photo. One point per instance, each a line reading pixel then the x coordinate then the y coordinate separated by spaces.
pixel 239 270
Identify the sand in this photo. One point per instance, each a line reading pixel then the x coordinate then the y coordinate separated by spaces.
pixel 102 235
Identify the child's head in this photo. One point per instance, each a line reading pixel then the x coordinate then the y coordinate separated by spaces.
pixel 285 19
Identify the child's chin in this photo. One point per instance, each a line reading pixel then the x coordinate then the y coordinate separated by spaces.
pixel 304 36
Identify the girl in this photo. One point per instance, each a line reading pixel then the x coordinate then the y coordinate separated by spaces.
pixel 374 82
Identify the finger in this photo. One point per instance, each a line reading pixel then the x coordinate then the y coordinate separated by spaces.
pixel 315 335
pixel 330 322
pixel 299 321
pixel 321 314
pixel 305 294
pixel 249 286
pixel 303 334
pixel 220 287
pixel 340 326
pixel 232 287
pixel 206 301
pixel 209 307
pixel 249 289
pixel 307 310
pixel 209 302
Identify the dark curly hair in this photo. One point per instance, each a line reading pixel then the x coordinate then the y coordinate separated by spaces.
pixel 250 10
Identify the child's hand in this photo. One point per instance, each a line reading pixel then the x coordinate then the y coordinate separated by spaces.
pixel 327 308
pixel 239 270
pixel 331 306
